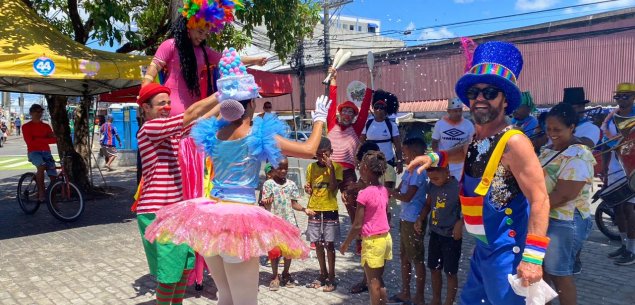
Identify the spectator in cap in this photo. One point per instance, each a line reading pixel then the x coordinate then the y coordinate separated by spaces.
pixel 522 118
pixel 452 130
pixel 613 173
pixel 109 142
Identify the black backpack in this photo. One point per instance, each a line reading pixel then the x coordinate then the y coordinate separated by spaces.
pixel 388 124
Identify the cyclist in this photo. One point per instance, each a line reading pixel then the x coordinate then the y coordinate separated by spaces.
pixel 38 136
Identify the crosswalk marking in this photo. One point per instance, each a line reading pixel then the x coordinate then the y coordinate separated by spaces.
pixel 10 160
pixel 18 164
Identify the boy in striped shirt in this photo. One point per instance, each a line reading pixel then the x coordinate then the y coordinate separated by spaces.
pixel 159 139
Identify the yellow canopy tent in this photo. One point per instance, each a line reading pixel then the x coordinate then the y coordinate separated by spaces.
pixel 36 58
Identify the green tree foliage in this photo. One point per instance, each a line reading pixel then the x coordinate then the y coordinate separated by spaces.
pixel 141 25
pixel 109 22
pixel 106 21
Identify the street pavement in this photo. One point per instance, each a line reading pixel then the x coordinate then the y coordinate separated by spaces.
pixel 99 259
pixel 13 157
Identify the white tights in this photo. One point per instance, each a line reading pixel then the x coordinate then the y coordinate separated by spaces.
pixel 237 283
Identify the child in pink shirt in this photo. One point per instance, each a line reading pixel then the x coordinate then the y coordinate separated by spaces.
pixel 371 219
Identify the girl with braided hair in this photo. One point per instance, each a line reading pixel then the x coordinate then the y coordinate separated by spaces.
pixel 187 65
pixel 185 56
pixel 371 220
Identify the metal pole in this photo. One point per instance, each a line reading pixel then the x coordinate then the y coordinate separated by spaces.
pixel 301 78
pixel 327 54
pixel 90 147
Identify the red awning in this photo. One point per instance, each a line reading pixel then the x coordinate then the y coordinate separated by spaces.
pixel 271 85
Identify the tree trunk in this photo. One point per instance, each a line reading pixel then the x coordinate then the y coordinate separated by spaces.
pixel 75 166
pixel 82 146
pixel 174 9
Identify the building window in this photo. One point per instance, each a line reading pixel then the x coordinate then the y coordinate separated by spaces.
pixel 359 28
pixel 344 26
pixel 352 27
pixel 371 30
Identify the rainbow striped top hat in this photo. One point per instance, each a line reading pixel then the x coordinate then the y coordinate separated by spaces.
pixel 499 64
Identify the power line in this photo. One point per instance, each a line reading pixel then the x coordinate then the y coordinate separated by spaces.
pixel 388 32
pixel 461 24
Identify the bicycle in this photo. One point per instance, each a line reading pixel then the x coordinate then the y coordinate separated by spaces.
pixel 64 199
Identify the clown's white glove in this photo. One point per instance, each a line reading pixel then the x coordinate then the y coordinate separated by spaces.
pixel 322 104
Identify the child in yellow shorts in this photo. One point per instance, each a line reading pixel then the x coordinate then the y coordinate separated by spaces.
pixel 371 219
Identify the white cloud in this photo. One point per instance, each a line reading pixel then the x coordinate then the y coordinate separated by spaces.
pixel 600 6
pixel 534 5
pixel 463 1
pixel 434 33
pixel 411 26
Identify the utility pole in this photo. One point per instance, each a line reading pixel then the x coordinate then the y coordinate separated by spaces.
pixel 327 5
pixel 21 103
pixel 302 78
pixel 297 65
pixel 327 52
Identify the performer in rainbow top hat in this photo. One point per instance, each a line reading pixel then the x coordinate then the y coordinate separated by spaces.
pixel 231 230
pixel 503 194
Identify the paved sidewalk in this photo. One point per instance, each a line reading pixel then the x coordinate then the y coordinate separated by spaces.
pixel 99 260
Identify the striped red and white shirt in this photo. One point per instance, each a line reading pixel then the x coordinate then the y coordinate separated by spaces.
pixel 344 142
pixel 158 146
pixel 345 139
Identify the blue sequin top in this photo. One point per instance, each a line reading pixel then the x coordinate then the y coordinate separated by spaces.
pixel 237 162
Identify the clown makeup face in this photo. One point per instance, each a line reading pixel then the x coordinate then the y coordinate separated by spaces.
pixel 157 107
pixel 347 115
pixel 197 36
pixel 486 106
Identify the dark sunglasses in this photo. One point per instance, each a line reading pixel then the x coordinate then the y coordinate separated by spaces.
pixel 489 93
pixel 379 107
pixel 623 96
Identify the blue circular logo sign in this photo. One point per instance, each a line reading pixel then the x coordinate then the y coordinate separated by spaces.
pixel 44 66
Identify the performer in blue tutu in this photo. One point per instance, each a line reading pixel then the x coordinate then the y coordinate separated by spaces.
pixel 231 231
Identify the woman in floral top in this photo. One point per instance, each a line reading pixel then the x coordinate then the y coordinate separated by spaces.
pixel 568 167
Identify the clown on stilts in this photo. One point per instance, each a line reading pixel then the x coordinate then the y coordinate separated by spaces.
pixel 503 194
pixel 188 67
pixel 230 230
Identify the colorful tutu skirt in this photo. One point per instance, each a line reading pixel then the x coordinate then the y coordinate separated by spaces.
pixel 237 230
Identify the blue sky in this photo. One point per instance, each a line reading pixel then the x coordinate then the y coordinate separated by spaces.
pixel 426 17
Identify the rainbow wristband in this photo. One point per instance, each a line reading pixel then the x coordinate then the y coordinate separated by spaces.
pixel 443 158
pixel 439 159
pixel 434 157
pixel 535 248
